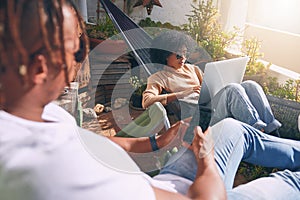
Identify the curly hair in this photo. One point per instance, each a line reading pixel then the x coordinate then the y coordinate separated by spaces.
pixel 169 42
pixel 28 27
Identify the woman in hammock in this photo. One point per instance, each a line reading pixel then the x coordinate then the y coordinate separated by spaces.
pixel 177 86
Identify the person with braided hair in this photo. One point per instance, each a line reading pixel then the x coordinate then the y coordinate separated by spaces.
pixel 42 151
pixel 41 156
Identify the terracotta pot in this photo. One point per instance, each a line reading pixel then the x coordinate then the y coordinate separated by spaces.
pixel 108 46
pixel 94 42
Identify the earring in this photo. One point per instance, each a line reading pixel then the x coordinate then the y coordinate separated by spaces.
pixel 23 73
pixel 23 70
pixel 1 29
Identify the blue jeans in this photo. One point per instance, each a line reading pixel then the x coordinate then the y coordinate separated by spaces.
pixel 247 103
pixel 236 141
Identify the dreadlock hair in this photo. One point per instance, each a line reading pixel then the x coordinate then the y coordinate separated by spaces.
pixel 28 27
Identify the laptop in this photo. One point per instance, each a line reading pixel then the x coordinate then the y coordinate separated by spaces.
pixel 218 74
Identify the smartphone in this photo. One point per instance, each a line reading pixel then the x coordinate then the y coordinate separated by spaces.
pixel 201 118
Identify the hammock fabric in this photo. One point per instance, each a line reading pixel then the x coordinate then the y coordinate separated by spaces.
pixel 139 41
pixel 136 38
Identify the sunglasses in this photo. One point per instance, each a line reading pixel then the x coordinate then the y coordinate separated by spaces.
pixel 180 56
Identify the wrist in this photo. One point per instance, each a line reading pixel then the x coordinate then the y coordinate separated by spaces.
pixel 165 99
pixel 153 143
pixel 180 95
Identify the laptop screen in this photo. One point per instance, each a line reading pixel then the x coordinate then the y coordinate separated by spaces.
pixel 219 74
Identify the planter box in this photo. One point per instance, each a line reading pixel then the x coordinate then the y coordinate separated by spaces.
pixel 259 78
pixel 287 112
pixel 115 47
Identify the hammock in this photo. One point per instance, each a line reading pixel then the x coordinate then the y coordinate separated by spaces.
pixel 136 38
pixel 139 40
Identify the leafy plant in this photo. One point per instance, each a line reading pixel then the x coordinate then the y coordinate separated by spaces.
pixel 289 90
pixel 104 29
pixel 251 172
pixel 205 28
pixel 251 48
pixel 128 6
pixel 138 84
pixel 147 22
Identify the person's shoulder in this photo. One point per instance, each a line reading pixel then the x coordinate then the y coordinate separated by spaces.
pixel 158 73
pixel 158 76
pixel 99 170
pixel 11 126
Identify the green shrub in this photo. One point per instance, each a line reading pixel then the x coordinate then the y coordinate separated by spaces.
pixel 205 28
pixel 104 29
pixel 290 89
pixel 251 172
pixel 251 48
pixel 147 22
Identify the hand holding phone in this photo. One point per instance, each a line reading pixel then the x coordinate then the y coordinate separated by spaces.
pixel 200 118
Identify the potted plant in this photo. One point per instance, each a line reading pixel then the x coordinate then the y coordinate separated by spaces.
pixel 139 86
pixel 105 31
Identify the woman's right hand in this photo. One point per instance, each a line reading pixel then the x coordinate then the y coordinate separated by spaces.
pixel 194 89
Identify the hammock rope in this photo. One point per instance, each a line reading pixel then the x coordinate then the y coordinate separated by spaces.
pixel 136 38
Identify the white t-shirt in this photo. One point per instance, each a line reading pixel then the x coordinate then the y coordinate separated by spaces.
pixel 48 161
pixel 58 160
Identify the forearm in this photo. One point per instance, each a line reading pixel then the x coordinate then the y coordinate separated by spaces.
pixel 164 99
pixel 171 138
pixel 149 99
pixel 136 145
pixel 208 183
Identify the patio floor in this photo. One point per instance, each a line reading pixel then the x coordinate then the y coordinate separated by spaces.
pixel 109 123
